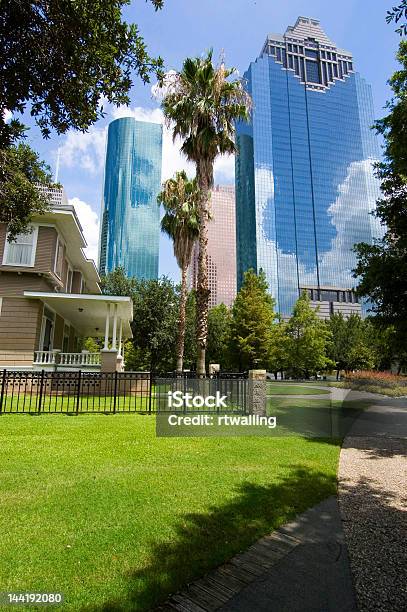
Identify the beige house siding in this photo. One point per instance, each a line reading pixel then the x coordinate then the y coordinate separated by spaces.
pixel 20 326
pixel 13 284
pixel 46 245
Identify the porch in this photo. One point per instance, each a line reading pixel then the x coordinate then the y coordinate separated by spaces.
pixel 89 316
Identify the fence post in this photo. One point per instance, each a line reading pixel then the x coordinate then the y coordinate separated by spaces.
pixel 78 391
pixel 150 392
pixel 257 392
pixel 115 392
pixel 41 391
pixel 3 386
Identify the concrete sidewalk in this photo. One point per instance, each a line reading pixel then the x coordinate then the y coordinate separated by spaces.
pixel 302 566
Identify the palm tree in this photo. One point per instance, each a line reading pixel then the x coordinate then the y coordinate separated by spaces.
pixel 179 197
pixel 203 104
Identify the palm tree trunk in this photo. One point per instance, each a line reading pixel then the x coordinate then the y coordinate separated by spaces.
pixel 181 320
pixel 204 175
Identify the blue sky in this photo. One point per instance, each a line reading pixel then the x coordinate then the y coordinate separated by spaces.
pixel 238 28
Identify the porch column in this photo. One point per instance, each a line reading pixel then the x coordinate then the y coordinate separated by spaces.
pixel 120 337
pixel 114 347
pixel 106 345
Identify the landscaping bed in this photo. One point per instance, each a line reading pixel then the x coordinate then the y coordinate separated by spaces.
pixel 374 382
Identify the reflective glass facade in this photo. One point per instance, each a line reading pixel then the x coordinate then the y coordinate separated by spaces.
pixel 304 176
pixel 130 228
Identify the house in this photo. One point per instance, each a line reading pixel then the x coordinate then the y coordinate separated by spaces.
pixel 50 298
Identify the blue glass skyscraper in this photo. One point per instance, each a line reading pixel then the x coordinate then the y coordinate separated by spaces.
pixel 304 177
pixel 130 228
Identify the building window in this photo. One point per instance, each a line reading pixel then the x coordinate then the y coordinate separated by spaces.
pixel 59 258
pixel 21 252
pixel 69 278
pixel 313 72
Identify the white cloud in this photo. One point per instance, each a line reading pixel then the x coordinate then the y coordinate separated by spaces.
pixel 85 150
pixel 7 115
pixel 224 170
pixel 89 221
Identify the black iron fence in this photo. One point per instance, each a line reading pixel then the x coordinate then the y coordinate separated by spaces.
pixel 117 392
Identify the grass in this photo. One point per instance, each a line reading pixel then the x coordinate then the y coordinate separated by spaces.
pixel 98 508
pixel 316 418
pixel 293 389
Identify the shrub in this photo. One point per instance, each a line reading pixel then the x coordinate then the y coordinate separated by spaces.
pixel 377 379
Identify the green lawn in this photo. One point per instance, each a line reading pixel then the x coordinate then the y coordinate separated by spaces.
pixel 275 388
pixel 98 508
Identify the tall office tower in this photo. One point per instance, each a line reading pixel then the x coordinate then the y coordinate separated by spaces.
pixel 304 177
pixel 130 228
pixel 221 249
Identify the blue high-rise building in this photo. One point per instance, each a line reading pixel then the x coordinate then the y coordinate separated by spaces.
pixel 130 227
pixel 304 178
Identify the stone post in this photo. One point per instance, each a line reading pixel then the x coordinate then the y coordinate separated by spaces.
pixel 257 392
pixel 109 361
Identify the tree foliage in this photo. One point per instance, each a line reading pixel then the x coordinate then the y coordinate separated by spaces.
pixel 382 267
pixel 63 57
pixel 179 197
pixel 202 102
pixel 21 171
pixel 351 346
pixel 252 319
pixel 396 14
pixel 118 283
pixel 308 339
pixel 219 322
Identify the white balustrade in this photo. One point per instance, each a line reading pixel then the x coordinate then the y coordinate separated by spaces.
pixel 45 357
pixel 79 359
pixel 73 360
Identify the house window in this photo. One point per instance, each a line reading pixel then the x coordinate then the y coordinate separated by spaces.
pixel 47 330
pixel 21 252
pixel 59 258
pixel 69 280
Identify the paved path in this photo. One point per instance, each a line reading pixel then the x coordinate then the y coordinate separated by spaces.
pixel 373 500
pixel 301 566
pixel 304 566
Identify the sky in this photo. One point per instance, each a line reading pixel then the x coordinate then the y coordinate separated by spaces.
pixel 237 29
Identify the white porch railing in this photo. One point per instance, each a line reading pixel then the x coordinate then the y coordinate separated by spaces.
pixel 79 359
pixel 68 360
pixel 45 357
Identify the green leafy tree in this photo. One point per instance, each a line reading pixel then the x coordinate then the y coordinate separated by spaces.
pixel 396 14
pixel 179 198
pixel 351 344
pixel 91 345
pixel 135 358
pixel 63 57
pixel 219 322
pixel 154 327
pixel 203 103
pixel 309 338
pixel 381 268
pixel 20 199
pixel 252 319
pixel 279 349
pixel 118 283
